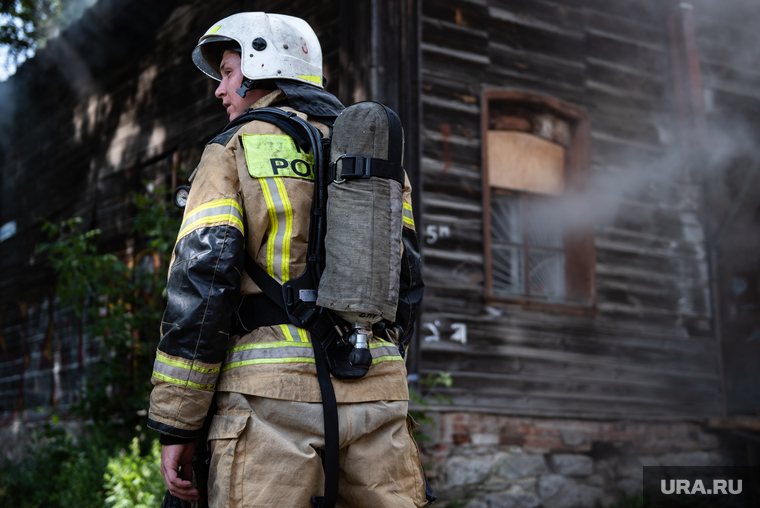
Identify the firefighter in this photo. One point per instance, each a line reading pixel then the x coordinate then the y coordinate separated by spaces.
pixel 267 435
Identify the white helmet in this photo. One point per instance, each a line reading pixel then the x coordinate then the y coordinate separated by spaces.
pixel 273 46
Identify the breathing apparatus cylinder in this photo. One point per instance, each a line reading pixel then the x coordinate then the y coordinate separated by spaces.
pixel 364 221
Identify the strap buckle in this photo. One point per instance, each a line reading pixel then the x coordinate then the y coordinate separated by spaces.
pixel 354 167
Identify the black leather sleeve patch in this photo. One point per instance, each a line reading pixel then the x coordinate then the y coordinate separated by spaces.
pixel 202 292
pixel 411 287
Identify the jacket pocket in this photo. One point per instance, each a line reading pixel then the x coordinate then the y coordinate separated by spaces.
pixel 227 426
pixel 227 443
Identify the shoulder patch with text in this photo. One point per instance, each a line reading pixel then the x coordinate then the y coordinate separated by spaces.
pixel 276 155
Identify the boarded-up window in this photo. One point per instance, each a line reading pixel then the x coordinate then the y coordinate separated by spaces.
pixel 521 161
pixel 535 153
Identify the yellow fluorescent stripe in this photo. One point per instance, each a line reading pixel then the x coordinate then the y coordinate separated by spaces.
pixel 219 203
pixel 387 359
pixel 381 343
pixel 314 79
pixel 282 343
pixel 273 221
pixel 409 220
pixel 259 361
pixel 181 382
pixel 175 363
pixel 286 332
pixel 161 358
pixel 267 345
pixel 408 206
pixel 213 29
pixel 216 204
pixel 211 220
pixel 302 334
pixel 288 229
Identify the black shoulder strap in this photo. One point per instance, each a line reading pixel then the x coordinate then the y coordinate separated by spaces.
pixel 273 290
pixel 308 137
pixel 271 115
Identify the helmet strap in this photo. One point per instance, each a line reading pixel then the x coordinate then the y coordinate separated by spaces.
pixel 245 86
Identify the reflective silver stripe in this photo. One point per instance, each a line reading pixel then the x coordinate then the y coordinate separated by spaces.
pixel 384 350
pixel 293 333
pixel 221 210
pixel 408 215
pixel 271 350
pixel 268 353
pixel 295 352
pixel 275 246
pixel 184 376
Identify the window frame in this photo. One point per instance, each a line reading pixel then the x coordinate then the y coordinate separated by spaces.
pixel 579 249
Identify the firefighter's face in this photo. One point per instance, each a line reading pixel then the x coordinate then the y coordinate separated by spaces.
pixel 232 78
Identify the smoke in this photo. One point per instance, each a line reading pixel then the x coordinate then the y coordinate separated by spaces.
pixel 73 10
pixel 671 179
pixel 664 172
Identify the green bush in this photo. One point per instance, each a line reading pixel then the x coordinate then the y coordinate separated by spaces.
pixel 59 471
pixel 428 385
pixel 87 472
pixel 122 306
pixel 134 480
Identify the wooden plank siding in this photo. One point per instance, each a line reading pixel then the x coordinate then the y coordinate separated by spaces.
pixel 727 40
pixel 649 351
pixel 113 101
pixel 113 123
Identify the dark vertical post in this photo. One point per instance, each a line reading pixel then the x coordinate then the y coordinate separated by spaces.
pixel 688 94
pixel 355 52
pixel 687 76
pixel 396 83
pixel 395 74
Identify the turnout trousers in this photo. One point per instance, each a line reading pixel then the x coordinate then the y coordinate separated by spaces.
pixel 267 453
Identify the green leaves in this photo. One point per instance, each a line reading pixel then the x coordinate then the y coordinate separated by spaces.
pixel 59 471
pixel 429 383
pixel 25 24
pixel 133 480
pixel 120 298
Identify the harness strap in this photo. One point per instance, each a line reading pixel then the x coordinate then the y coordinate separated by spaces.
pixel 273 291
pixel 257 311
pixel 330 407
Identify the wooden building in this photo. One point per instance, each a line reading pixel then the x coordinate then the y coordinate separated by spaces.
pixel 585 199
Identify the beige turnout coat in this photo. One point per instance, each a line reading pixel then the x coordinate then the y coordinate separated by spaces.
pixel 253 191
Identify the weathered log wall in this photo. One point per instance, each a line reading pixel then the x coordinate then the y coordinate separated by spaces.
pixel 728 42
pixel 113 101
pixel 649 351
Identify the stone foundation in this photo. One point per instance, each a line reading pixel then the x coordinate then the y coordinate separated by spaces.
pixel 489 461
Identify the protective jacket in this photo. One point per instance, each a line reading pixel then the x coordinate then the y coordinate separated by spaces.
pixel 253 190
